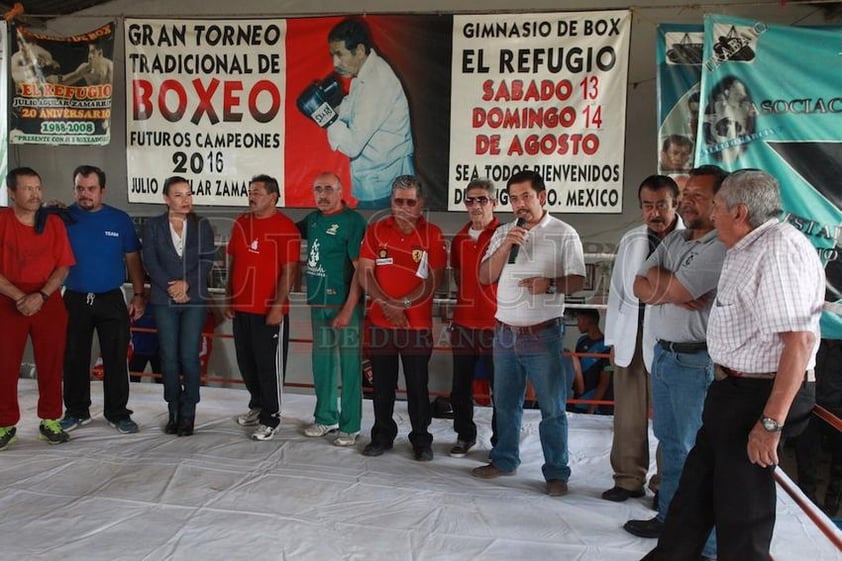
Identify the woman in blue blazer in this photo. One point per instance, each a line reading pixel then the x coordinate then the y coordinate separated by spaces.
pixel 178 252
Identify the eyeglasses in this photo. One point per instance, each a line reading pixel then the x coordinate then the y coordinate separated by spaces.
pixel 401 202
pixel 326 189
pixel 469 201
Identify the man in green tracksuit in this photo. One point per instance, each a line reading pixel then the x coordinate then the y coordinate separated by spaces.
pixel 334 233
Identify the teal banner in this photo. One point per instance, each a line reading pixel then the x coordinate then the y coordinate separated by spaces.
pixel 678 54
pixel 753 118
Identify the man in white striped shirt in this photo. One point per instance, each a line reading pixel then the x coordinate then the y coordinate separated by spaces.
pixel 763 333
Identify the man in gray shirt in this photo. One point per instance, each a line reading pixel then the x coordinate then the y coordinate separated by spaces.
pixel 678 280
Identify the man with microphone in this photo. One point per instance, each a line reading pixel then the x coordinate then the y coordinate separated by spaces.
pixel 536 261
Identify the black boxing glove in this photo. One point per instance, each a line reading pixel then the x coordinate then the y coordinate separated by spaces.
pixel 319 101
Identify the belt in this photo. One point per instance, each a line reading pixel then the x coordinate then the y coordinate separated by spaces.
pixel 91 296
pixel 721 372
pixel 530 329
pixel 686 348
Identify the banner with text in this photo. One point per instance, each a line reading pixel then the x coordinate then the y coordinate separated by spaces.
pixel 792 128
pixel 545 92
pixel 61 87
pixel 220 101
pixel 204 101
pixel 678 55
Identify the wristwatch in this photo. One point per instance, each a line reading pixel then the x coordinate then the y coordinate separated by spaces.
pixel 770 425
pixel 551 288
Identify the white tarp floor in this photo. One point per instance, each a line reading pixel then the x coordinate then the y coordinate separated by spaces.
pixel 219 496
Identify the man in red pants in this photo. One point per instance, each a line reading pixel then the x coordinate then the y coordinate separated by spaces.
pixel 35 256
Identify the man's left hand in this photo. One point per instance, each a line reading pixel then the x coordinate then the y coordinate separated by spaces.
pixel 30 304
pixel 395 314
pixel 762 446
pixel 342 319
pixel 275 316
pixel 137 306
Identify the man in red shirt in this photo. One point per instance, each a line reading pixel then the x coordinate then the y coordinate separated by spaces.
pixel 402 259
pixel 472 331
pixel 33 264
pixel 263 254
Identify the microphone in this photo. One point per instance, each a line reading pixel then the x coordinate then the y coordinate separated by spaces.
pixel 515 248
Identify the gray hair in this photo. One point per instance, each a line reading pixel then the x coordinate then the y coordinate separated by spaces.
pixel 408 182
pixel 485 184
pixel 757 190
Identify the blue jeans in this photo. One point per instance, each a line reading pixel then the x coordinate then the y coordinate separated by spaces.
pixel 179 336
pixel 538 357
pixel 679 385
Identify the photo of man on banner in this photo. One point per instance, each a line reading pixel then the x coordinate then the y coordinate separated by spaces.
pixel 371 125
pixel 31 63
pixel 95 71
pixel 730 117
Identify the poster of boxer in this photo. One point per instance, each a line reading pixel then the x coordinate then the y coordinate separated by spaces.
pixel 61 87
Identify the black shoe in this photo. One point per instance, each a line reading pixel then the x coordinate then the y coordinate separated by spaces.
pixel 424 454
pixel 651 528
pixel 619 494
pixel 185 426
pixel 171 426
pixel 655 502
pixel 460 450
pixel 376 449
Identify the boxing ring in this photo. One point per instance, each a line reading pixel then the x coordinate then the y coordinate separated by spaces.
pixel 219 496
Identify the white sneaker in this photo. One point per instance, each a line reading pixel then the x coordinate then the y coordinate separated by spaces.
pixel 249 419
pixel 263 432
pixel 319 430
pixel 346 439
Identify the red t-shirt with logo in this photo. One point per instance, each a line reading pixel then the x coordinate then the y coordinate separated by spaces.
pixel 260 248
pixel 401 263
pixel 476 303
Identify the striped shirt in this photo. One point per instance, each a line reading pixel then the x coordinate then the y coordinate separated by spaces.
pixel 772 282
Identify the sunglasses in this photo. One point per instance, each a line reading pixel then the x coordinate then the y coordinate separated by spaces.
pixel 482 201
pixel 407 202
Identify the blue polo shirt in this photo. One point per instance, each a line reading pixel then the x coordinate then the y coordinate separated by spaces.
pixel 99 240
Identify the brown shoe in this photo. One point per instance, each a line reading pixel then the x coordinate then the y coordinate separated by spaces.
pixel 556 488
pixel 490 471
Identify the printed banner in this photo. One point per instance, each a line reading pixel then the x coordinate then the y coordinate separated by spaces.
pixel 204 101
pixel 678 55
pixel 792 128
pixel 545 92
pixel 353 98
pixel 4 125
pixel 62 87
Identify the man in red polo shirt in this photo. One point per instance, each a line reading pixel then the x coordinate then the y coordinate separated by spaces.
pixel 402 259
pixel 472 331
pixel 263 256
